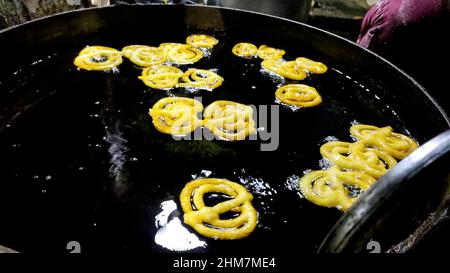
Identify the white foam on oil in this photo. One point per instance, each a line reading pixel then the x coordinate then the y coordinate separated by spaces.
pixel 171 233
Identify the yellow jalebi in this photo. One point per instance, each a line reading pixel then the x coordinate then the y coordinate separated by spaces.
pixel 229 120
pixel 99 58
pixel 270 53
pixel 245 50
pixel 397 145
pixel 331 188
pixel 272 66
pixel 144 55
pixel 289 70
pixel 184 54
pixel 311 66
pixel 355 165
pixel 201 79
pixel 166 47
pixel 207 221
pixel 161 77
pixel 201 40
pixel 355 156
pixel 298 95
pixel 176 115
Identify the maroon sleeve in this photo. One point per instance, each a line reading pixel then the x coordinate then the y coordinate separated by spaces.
pixel 413 34
pixel 385 18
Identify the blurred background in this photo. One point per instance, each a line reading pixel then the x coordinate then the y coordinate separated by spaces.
pixel 342 17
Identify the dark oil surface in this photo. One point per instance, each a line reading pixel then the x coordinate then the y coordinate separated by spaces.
pixel 81 160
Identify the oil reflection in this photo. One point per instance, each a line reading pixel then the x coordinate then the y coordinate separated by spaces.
pixel 171 233
pixel 117 149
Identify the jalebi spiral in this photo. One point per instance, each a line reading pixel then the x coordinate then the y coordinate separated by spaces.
pixel 201 40
pixel 299 95
pixel 397 145
pixel 311 66
pixel 184 54
pixel 144 56
pixel 200 79
pixel 229 120
pixel 161 77
pixel 176 115
pixel 98 58
pixel 206 220
pixel 331 188
pixel 270 53
pixel 355 165
pixel 245 50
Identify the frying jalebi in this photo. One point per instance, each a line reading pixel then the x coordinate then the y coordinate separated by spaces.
pixel 311 66
pixel 355 165
pixel 289 70
pixel 176 115
pixel 229 120
pixel 331 188
pixel 201 40
pixel 206 220
pixel 272 66
pixel 245 50
pixel 397 145
pixel 200 79
pixel 144 55
pixel 298 95
pixel 166 47
pixel 161 77
pixel 270 53
pixel 99 58
pixel 357 157
pixel 184 54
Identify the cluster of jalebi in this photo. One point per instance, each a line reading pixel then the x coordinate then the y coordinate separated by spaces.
pixel 264 52
pixel 207 220
pixel 166 77
pixel 156 61
pixel 294 70
pixel 106 58
pixel 146 56
pixel 273 61
pixel 355 166
pixel 288 70
pixel 226 119
pixel 298 95
pixel 293 94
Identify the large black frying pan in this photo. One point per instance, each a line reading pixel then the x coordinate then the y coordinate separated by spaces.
pixel 82 162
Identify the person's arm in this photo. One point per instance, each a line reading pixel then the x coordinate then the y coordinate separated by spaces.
pixel 388 17
pixel 413 34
